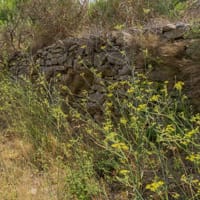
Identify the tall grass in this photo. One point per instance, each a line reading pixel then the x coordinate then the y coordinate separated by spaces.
pixel 145 147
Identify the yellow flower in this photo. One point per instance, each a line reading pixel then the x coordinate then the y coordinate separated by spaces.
pixel 119 27
pixel 184 178
pixel 123 120
pixel 123 53
pixel 103 47
pixel 130 105
pixel 195 181
pixel 179 85
pixel 111 136
pixel 175 195
pixel 109 104
pixel 120 145
pixel 142 107
pixel 166 82
pixel 191 133
pixel 156 109
pixel 83 46
pixel 130 90
pixel 124 172
pixel 155 98
pixel 194 157
pixel 146 10
pixel 109 95
pixel 155 186
pixel 196 119
pixel 112 86
pixel 107 126
pixel 149 83
pixel 169 129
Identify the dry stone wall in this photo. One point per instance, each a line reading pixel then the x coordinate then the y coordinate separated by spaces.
pixel 173 52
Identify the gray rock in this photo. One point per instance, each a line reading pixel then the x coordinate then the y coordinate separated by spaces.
pixel 99 59
pixel 97 97
pixel 116 58
pixel 176 33
pixel 107 70
pixel 169 27
pixel 125 71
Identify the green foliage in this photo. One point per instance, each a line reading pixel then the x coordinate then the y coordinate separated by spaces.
pixel 80 179
pixel 27 110
pixel 104 10
pixel 8 9
pixel 171 8
pixel 146 145
pixel 129 13
pixel 143 125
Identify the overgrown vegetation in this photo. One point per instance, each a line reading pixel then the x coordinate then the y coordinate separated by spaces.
pixel 146 146
pixel 32 24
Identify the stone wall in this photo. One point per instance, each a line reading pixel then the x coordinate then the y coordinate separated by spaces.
pixel 173 52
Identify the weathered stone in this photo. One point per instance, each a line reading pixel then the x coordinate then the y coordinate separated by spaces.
pixel 41 62
pixel 107 70
pixel 52 70
pixel 49 56
pixel 58 50
pixel 69 61
pixel 99 59
pixel 169 27
pixel 93 108
pixel 48 63
pixel 171 55
pixel 116 58
pixel 98 87
pixel 125 71
pixel 61 60
pixel 72 48
pixel 54 61
pixel 97 97
pixel 179 32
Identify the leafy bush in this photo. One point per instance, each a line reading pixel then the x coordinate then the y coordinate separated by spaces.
pixel 37 23
pixel 53 20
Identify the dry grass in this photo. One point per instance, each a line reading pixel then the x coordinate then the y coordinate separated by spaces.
pixel 20 180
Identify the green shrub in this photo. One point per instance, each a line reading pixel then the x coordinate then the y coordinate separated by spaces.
pixel 144 125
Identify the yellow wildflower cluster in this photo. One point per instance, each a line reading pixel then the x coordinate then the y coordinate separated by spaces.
pixel 175 195
pixel 130 90
pixel 107 126
pixel 196 119
pixel 155 98
pixel 111 136
pixel 194 157
pixel 179 85
pixel 123 120
pixel 169 129
pixel 110 95
pixel 120 146
pixel 124 172
pixel 191 133
pixel 142 107
pixel 155 186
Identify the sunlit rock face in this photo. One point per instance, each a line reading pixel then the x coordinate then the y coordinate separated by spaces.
pixel 172 51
